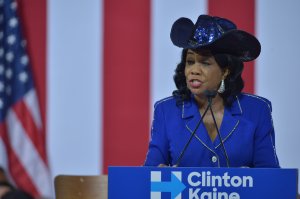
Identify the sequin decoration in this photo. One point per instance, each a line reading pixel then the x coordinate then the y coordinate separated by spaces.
pixel 208 31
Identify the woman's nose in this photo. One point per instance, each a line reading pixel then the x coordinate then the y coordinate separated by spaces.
pixel 193 72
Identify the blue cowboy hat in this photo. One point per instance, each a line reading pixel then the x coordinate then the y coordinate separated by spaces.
pixel 216 34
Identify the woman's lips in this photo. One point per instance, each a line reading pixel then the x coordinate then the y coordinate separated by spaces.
pixel 195 83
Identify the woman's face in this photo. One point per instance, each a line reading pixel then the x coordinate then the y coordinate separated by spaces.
pixel 202 72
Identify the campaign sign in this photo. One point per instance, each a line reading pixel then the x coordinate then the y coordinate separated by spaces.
pixel 201 183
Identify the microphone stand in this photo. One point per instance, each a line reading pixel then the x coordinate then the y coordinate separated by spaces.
pixel 193 133
pixel 210 95
pixel 218 132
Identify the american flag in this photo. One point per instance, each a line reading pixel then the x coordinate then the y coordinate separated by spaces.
pixel 22 138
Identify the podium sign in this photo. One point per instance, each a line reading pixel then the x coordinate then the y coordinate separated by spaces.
pixel 201 183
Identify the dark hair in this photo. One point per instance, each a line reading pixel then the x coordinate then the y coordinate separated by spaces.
pixel 17 194
pixel 6 184
pixel 234 83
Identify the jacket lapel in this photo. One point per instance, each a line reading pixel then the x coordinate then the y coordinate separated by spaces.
pixel 192 117
pixel 229 123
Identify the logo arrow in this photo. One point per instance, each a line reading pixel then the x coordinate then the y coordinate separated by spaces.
pixel 175 186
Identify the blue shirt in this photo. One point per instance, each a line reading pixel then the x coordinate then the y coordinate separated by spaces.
pixel 247 132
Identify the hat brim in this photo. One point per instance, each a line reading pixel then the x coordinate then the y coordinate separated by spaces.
pixel 238 43
pixel 235 42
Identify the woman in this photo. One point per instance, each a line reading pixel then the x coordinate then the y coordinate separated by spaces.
pixel 8 191
pixel 184 132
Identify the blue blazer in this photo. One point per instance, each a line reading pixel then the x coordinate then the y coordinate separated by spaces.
pixel 247 132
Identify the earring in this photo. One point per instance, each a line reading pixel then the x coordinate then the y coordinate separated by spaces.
pixel 222 87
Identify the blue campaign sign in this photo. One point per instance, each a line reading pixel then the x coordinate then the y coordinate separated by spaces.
pixel 201 183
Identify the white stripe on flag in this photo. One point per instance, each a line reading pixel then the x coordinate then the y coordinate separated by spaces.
pixel 31 102
pixel 27 154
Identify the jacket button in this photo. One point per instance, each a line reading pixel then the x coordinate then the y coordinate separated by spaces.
pixel 214 159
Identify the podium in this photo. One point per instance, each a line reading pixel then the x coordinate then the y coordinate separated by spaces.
pixel 201 183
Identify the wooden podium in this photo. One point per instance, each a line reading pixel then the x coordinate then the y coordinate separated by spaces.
pixel 80 187
pixel 201 183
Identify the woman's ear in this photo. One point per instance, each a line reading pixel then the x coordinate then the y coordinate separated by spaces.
pixel 226 73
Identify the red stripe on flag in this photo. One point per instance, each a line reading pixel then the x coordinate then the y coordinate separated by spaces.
pixel 242 13
pixel 16 168
pixel 35 135
pixel 33 17
pixel 126 72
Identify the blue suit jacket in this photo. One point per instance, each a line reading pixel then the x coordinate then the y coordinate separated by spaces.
pixel 246 130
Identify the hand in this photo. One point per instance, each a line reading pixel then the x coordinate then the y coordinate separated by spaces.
pixel 163 165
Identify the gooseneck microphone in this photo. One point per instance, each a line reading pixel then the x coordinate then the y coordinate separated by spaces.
pixel 214 119
pixel 209 95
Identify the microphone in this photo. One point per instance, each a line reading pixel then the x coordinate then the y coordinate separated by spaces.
pixel 209 95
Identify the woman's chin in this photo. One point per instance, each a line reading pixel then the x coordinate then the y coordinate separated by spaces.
pixel 197 91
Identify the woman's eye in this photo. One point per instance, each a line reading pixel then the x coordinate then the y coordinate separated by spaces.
pixel 205 63
pixel 190 62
